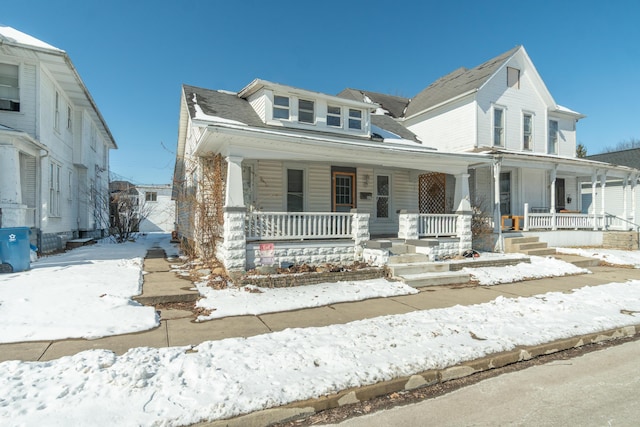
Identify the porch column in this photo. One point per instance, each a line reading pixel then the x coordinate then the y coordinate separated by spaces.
pixel 594 183
pixel 497 216
pixel 625 211
pixel 463 227
pixel 461 197
pixel 234 194
pixel 603 185
pixel 234 245
pixel 552 209
pixel 634 182
pixel 10 193
pixel 408 225
pixel 360 231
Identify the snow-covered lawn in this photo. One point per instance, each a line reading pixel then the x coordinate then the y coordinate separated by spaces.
pixel 83 293
pixel 219 379
pixel 612 256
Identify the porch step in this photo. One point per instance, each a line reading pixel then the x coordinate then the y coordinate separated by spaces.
pixel 577 260
pixel 540 252
pixel 436 279
pixel 408 268
pixel 407 258
pixel 533 245
pixel 527 245
pixel 511 243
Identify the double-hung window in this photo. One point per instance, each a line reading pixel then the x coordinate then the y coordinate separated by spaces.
pixel 382 196
pixel 527 131
pixel 280 107
pixel 334 116
pixel 56 118
pixel 306 113
pixel 151 196
pixel 553 137
pixel 54 189
pixel 9 88
pixel 295 190
pixel 355 119
pixel 498 127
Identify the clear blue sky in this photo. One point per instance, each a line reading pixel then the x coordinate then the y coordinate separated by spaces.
pixel 134 55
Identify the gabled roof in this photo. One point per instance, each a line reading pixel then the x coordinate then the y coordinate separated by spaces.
pixel 630 157
pixel 394 105
pixel 457 83
pixel 207 104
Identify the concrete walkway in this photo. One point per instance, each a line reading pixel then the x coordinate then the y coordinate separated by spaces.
pixel 177 327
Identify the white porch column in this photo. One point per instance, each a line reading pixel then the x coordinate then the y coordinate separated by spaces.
pixel 634 182
pixel 360 231
pixel 625 211
pixel 594 183
pixel 603 185
pixel 10 193
pixel 497 215
pixel 408 225
pixel 233 251
pixel 552 209
pixel 234 194
pixel 461 197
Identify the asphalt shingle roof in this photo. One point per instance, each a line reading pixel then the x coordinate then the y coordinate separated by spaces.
pixel 395 105
pixel 221 104
pixel 630 157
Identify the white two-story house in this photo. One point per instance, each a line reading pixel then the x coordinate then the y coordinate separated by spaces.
pixel 54 145
pixel 503 108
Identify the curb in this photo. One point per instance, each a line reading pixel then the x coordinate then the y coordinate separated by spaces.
pixel 349 396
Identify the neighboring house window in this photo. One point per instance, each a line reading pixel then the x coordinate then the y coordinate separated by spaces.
pixel 498 126
pixel 280 107
pixel 54 189
pixel 151 196
pixel 295 190
pixel 334 116
pixel 69 122
pixel 56 118
pixel 9 88
pixel 382 196
pixel 355 119
pixel 94 137
pixel 306 112
pixel 513 78
pixel 553 137
pixel 527 131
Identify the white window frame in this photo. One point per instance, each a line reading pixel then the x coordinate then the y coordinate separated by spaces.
pixel 353 119
pixel 9 92
pixel 334 115
pixel 56 112
pixel 69 118
pixel 286 187
pixel 281 107
pixel 54 188
pixel 306 111
pixel 150 196
pixel 501 127
pixel 525 146
pixel 552 139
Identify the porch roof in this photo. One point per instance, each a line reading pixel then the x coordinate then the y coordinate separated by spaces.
pixel 565 165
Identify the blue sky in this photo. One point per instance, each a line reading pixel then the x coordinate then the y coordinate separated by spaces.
pixel 134 55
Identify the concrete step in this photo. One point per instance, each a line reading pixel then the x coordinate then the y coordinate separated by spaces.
pixel 540 252
pixel 408 258
pixel 435 279
pixel 578 261
pixel 527 246
pixel 402 269
pixel 161 285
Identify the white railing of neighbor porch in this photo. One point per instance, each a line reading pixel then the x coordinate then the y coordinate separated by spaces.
pixel 436 225
pixel 298 226
pixel 573 221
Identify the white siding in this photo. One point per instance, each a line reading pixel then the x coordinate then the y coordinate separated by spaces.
pixel 483 189
pixel 534 190
pixel 452 128
pixel 270 186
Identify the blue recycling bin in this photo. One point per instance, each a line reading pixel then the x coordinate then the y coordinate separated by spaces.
pixel 14 249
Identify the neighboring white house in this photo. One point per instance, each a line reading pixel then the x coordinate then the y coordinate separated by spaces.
pixel 294 175
pixel 159 208
pixel 54 145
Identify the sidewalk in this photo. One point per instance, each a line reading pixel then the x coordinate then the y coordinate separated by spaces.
pixel 177 327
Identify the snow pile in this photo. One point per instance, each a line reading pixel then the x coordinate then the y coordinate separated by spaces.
pixel 539 268
pixel 256 301
pixel 611 256
pixel 220 379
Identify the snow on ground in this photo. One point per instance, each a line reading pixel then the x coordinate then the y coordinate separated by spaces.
pixel 241 301
pixel 538 268
pixel 220 379
pixel 83 293
pixel 612 256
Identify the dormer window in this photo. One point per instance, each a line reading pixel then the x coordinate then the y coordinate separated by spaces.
pixel 355 119
pixel 306 111
pixel 280 107
pixel 334 116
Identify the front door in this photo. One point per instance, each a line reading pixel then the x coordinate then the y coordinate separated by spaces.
pixel 343 191
pixel 559 194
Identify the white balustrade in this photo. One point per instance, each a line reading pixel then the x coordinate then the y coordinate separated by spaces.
pixel 436 225
pixel 298 226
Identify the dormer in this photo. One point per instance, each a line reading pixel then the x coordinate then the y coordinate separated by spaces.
pixel 290 107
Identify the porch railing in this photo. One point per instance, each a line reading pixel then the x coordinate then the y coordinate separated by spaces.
pixel 298 226
pixel 436 225
pixel 574 221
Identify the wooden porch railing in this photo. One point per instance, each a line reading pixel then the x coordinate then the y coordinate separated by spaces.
pixel 437 225
pixel 298 226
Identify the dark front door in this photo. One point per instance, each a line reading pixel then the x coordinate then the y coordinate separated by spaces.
pixel 560 194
